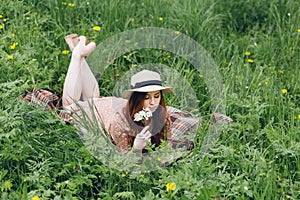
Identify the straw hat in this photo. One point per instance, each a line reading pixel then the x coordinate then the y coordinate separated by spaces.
pixel 146 81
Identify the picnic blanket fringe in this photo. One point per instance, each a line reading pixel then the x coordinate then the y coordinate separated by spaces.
pixel 49 100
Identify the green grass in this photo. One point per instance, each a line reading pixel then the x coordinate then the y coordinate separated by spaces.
pixel 256 157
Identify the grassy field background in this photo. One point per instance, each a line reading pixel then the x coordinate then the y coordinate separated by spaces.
pixel 255 43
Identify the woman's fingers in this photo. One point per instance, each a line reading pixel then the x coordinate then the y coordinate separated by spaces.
pixel 144 130
pixel 222 117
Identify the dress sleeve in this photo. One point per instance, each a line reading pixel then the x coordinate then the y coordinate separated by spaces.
pixel 121 132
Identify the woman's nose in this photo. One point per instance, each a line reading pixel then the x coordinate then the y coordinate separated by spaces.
pixel 152 101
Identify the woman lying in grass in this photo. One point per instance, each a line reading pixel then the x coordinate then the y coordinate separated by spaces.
pixel 139 117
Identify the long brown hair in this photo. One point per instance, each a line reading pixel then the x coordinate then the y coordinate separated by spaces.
pixel 160 124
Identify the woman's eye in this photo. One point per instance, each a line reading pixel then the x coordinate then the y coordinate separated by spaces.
pixel 146 98
pixel 156 96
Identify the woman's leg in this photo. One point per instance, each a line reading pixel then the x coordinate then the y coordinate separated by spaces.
pixel 80 83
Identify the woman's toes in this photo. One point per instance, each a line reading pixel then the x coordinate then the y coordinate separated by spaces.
pixel 72 40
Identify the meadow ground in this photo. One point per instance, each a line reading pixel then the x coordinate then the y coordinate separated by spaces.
pixel 255 45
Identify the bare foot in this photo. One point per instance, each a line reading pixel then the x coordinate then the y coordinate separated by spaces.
pixel 82 48
pixel 72 40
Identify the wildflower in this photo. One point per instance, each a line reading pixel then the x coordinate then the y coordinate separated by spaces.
pixel 177 32
pixel 267 83
pixel 245 65
pixel 123 175
pixel 161 19
pixel 158 159
pixel 7 185
pixel 4 20
pixel 12 35
pixel 132 20
pixel 281 72
pixel 96 28
pixel 171 186
pixel 201 75
pixel 43 177
pixel 65 52
pixel 35 198
pixel 71 4
pixel 247 53
pixel 245 188
pixel 64 3
pixel 236 77
pixel 10 57
pixel 1 27
pixel 1 16
pixel 144 114
pixel 298 30
pixel 14 45
pixel 299 116
pixel 284 91
pixel 250 61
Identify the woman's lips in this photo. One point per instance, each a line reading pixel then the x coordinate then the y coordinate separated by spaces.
pixel 153 108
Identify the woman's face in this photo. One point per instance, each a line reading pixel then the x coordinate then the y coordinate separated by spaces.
pixel 152 100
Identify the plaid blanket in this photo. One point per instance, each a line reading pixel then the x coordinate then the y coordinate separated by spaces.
pixel 48 100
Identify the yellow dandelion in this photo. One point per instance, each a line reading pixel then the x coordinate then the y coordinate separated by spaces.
pixel 43 177
pixel 7 185
pixel 96 28
pixel 284 91
pixel 236 77
pixel 1 16
pixel 201 75
pixel 245 65
pixel 12 35
pixel 177 32
pixel 299 116
pixel 4 20
pixel 171 186
pixel 10 57
pixel 281 72
pixel 71 4
pixel 65 52
pixel 298 30
pixel 12 47
pixel 250 61
pixel 64 3
pixel 123 175
pixel 267 83
pixel 160 19
pixel 1 27
pixel 132 20
pixel 158 159
pixel 247 53
pixel 35 198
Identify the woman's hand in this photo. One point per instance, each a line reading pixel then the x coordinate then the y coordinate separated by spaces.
pixel 141 139
pixel 221 117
